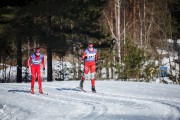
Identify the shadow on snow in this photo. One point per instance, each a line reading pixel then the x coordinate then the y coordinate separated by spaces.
pixel 68 89
pixel 18 91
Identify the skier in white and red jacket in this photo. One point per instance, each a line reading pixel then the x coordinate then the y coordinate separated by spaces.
pixel 90 56
pixel 35 61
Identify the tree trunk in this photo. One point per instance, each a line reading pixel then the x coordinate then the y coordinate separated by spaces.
pixel 49 49
pixel 107 72
pixel 119 29
pixel 178 72
pixel 134 20
pixel 140 25
pixel 145 42
pixel 19 60
pixel 74 69
pixel 124 24
pixel 112 73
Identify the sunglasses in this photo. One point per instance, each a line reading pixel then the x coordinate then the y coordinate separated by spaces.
pixel 90 46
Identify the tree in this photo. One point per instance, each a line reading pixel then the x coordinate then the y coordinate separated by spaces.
pixel 60 22
pixel 7 38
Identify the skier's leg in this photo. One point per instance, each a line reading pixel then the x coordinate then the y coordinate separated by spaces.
pixel 92 71
pixel 85 75
pixel 92 79
pixel 39 80
pixel 85 72
pixel 33 77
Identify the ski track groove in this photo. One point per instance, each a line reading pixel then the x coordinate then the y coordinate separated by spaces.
pixel 95 106
pixel 97 109
pixel 117 97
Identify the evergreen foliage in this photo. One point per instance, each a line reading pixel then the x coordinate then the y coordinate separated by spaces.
pixel 133 60
pixel 64 27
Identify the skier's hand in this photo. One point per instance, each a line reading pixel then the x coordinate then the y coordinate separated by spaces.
pixel 97 62
pixel 43 71
pixel 27 69
pixel 82 61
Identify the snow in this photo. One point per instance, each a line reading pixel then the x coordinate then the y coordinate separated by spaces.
pixel 178 41
pixel 114 100
pixel 162 52
pixel 172 41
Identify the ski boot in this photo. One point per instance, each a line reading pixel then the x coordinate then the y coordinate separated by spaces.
pixel 32 90
pixel 81 84
pixel 93 89
pixel 40 90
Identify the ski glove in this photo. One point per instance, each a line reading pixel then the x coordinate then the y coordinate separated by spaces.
pixel 43 69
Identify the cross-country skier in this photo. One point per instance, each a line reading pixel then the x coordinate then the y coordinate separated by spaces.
pixel 90 56
pixel 35 61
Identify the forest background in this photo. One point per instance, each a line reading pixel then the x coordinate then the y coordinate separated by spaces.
pixel 127 34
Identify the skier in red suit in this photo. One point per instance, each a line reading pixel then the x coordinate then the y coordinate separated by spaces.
pixel 35 61
pixel 90 57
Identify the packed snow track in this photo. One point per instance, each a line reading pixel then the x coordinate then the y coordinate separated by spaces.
pixel 114 100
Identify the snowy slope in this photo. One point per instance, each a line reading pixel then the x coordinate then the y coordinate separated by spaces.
pixel 115 100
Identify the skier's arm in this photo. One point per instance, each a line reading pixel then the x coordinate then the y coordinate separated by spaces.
pixel 29 62
pixel 96 57
pixel 43 64
pixel 84 56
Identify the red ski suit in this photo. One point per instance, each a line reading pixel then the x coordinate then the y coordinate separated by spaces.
pixel 90 58
pixel 35 62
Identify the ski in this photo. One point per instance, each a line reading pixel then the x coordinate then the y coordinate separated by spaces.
pixel 40 94
pixel 85 90
pixel 81 89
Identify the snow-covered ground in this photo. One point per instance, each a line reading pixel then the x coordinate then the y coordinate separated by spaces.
pixel 114 100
